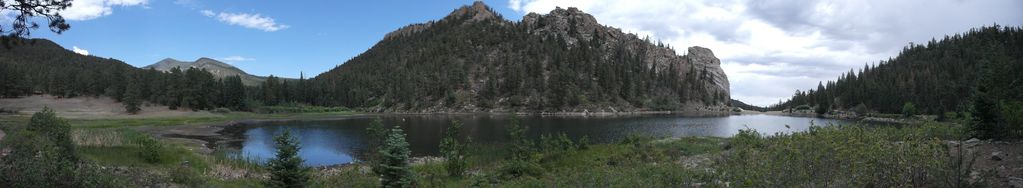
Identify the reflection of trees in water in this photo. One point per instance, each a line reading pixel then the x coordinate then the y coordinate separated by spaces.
pixel 347 136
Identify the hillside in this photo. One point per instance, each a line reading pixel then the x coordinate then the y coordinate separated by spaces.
pixel 475 60
pixel 217 68
pixel 39 66
pixel 31 66
pixel 937 77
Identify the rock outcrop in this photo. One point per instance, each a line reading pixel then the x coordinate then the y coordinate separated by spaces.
pixel 473 60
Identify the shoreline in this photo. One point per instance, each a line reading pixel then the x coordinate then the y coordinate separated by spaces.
pixel 209 137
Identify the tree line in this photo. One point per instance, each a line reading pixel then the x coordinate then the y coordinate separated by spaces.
pixel 976 72
pixel 39 66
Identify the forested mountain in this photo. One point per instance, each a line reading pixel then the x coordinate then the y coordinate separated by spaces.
pixel 475 60
pixel 217 68
pixel 940 76
pixel 39 66
pixel 744 106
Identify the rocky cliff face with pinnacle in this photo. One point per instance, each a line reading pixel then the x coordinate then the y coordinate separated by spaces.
pixel 473 60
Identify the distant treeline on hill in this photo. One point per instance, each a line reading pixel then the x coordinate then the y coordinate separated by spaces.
pixel 973 77
pixel 39 66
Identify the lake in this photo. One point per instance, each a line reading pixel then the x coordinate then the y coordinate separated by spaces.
pixel 329 142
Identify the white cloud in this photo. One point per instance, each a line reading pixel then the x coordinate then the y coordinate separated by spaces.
pixel 253 21
pixel 236 58
pixel 208 13
pixel 770 49
pixel 92 9
pixel 79 50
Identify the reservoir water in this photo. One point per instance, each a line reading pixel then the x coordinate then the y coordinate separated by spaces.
pixel 338 141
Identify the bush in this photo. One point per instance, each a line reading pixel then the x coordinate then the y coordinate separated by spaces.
pixel 908 110
pixel 860 109
pixel 453 151
pixel 150 150
pixel 848 155
pixel 1013 113
pixel 42 155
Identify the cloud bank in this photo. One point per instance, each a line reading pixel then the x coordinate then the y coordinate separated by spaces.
pixel 770 49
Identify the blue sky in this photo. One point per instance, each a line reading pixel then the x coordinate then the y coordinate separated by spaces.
pixel 768 48
pixel 310 37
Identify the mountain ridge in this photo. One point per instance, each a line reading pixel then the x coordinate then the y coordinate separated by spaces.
pixel 470 61
pixel 217 68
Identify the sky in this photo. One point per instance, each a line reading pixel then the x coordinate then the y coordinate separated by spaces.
pixel 769 49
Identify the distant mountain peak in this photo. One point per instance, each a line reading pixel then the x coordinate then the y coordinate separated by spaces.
pixel 218 68
pixel 478 11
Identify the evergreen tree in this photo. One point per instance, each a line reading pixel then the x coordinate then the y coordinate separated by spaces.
pixel 986 122
pixel 233 93
pixel 377 138
pixel 132 96
pixel 286 168
pixel 395 170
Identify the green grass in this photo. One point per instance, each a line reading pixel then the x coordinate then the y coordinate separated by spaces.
pixel 844 155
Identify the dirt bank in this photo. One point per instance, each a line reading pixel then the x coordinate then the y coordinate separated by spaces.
pixel 999 163
pixel 89 108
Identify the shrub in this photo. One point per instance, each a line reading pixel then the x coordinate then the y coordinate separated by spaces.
pixel 42 155
pixel 847 155
pixel 908 110
pixel 377 137
pixel 453 151
pixel 860 109
pixel 150 150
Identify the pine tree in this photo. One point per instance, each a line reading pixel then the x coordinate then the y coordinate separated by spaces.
pixel 395 170
pixel 286 168
pixel 132 96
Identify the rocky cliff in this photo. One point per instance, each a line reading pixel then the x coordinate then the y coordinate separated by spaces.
pixel 563 61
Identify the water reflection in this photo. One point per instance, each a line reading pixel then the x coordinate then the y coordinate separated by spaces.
pixel 330 142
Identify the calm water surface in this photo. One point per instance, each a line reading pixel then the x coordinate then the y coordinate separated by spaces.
pixel 329 142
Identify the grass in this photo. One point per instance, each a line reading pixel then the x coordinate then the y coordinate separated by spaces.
pixel 121 148
pixel 841 155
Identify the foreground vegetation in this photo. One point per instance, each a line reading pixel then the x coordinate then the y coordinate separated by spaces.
pixel 843 155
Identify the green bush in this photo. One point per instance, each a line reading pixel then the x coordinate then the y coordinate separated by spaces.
pixel 849 155
pixel 150 150
pixel 908 110
pixel 454 152
pixel 42 155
